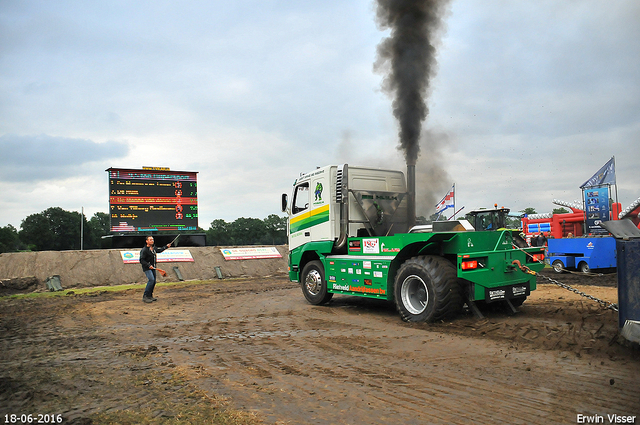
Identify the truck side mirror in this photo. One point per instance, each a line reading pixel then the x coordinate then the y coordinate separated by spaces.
pixel 284 202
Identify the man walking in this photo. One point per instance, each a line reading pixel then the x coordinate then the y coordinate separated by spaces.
pixel 148 261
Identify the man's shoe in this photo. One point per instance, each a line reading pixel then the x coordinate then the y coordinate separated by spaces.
pixel 147 300
pixel 154 299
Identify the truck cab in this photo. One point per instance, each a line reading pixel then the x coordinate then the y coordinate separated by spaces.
pixel 333 203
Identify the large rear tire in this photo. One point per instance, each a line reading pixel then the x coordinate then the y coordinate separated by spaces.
pixel 426 289
pixel 314 286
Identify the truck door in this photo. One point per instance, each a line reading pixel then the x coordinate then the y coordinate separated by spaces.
pixel 310 219
pixel 319 218
pixel 299 210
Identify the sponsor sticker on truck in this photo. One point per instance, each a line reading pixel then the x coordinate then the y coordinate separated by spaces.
pixel 371 246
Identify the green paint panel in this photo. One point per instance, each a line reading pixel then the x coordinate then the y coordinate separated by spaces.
pixel 309 222
pixel 315 249
pixel 368 269
pixel 358 276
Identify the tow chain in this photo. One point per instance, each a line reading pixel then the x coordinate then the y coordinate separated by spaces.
pixel 605 304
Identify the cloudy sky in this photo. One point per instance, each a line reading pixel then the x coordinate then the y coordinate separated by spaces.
pixel 530 99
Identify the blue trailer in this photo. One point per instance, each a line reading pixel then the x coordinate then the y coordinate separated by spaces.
pixel 583 253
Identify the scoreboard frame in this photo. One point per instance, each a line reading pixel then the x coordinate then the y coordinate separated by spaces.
pixel 152 199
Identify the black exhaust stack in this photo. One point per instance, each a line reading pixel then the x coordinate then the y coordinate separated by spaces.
pixel 407 58
pixel 411 192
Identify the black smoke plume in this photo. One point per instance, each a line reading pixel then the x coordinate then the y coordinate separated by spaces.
pixel 407 59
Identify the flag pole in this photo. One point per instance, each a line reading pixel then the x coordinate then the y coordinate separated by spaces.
pixel 82 229
pixel 614 168
pixel 454 200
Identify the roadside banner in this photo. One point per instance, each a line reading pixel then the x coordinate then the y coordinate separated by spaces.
pixel 250 253
pixel 167 256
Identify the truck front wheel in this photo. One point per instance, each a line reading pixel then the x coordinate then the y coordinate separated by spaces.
pixel 426 289
pixel 314 286
pixel 558 266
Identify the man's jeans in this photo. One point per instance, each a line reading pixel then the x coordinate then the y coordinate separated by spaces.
pixel 148 291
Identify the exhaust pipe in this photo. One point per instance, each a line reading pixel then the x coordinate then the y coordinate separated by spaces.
pixel 342 198
pixel 411 192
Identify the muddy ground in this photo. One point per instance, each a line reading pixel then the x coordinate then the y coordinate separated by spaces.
pixel 256 349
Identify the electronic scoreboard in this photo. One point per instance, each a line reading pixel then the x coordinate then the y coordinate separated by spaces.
pixel 152 199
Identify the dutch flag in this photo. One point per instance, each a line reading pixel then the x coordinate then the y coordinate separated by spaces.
pixel 447 201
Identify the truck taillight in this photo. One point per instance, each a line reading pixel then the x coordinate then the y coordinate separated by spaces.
pixel 469 265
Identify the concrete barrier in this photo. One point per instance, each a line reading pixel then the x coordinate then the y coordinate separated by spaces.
pixel 79 269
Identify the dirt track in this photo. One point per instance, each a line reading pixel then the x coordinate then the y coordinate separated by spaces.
pixel 258 344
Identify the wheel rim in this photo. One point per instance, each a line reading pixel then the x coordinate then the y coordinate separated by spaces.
pixel 313 282
pixel 584 268
pixel 415 295
pixel 557 266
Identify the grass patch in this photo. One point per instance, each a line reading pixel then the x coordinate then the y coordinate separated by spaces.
pixel 177 402
pixel 193 415
pixel 104 289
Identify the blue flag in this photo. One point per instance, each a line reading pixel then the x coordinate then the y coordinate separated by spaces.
pixel 605 175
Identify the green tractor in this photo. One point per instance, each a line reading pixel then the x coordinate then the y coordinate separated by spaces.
pixel 493 219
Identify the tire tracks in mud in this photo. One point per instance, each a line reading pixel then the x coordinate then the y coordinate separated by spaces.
pixel 335 359
pixel 351 362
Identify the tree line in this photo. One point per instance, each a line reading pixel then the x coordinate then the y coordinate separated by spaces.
pixel 248 231
pixel 55 229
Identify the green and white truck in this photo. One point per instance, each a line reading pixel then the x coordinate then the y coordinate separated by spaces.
pixel 350 232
